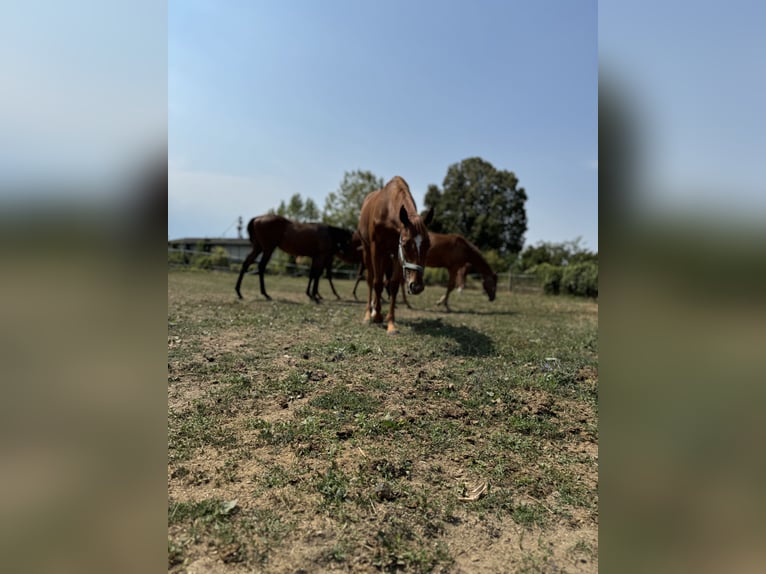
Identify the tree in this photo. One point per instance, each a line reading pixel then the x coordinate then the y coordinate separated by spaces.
pixel 557 254
pixel 297 209
pixel 483 204
pixel 310 210
pixel 342 207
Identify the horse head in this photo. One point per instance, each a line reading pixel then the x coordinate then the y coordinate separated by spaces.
pixel 490 285
pixel 413 247
pixel 344 245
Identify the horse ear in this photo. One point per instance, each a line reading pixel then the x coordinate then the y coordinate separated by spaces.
pixel 429 216
pixel 403 217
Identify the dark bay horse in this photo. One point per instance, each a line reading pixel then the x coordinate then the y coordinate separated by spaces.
pixel 459 256
pixel 316 240
pixel 394 240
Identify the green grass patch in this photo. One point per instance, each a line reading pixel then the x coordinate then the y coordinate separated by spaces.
pixel 356 444
pixel 344 400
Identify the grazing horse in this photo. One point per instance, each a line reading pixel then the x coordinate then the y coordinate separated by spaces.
pixel 316 240
pixel 458 255
pixel 395 240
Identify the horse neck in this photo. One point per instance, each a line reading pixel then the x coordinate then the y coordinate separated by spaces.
pixel 404 198
pixel 476 259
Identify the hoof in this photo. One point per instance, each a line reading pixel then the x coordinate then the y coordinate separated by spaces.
pixel 392 330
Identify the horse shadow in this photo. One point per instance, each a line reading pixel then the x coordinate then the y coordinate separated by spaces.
pixel 471 343
pixel 454 311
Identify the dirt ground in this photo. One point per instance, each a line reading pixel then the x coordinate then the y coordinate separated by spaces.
pixel 292 447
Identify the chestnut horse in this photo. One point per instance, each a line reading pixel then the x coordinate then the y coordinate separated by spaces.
pixel 316 240
pixel 390 227
pixel 458 255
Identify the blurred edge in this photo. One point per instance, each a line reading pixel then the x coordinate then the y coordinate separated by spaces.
pixel 83 310
pixel 83 293
pixel 682 338
pixel 83 314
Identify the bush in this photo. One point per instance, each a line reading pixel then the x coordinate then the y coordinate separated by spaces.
pixel 177 257
pixel 561 254
pixel 435 276
pixel 216 258
pixel 550 277
pixel 498 263
pixel 581 279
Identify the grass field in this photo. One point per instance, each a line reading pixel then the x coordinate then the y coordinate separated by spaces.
pixel 302 440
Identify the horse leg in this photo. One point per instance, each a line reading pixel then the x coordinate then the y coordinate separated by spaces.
pixel 262 269
pixel 245 265
pixel 368 309
pixel 359 276
pixel 312 290
pixel 450 286
pixel 374 285
pixel 377 283
pixel 393 284
pixel 460 278
pixel 315 292
pixel 329 279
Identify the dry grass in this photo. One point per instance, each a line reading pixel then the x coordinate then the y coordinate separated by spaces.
pixel 300 439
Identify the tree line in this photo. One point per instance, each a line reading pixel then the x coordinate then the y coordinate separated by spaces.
pixel 484 204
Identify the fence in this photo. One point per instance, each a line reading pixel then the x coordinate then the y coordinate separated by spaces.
pixel 278 267
pixel 519 282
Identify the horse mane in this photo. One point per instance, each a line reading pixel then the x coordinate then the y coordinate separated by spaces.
pixel 399 189
pixel 475 257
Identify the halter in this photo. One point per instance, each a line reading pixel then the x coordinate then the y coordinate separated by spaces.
pixel 406 264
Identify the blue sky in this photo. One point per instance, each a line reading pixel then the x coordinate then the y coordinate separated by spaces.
pixel 693 77
pixel 267 99
pixel 83 97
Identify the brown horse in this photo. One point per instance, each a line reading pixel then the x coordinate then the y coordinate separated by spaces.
pixel 316 240
pixel 390 227
pixel 458 255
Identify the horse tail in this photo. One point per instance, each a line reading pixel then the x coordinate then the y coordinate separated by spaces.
pixel 251 229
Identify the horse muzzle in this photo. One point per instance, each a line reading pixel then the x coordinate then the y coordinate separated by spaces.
pixel 414 288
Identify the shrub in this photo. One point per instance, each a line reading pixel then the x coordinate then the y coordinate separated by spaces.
pixel 219 257
pixel 435 276
pixel 216 258
pixel 498 263
pixel 549 276
pixel 177 257
pixel 581 279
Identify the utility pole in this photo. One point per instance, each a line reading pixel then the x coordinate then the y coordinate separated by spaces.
pixel 239 227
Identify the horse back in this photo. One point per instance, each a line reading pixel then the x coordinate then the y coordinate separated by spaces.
pixel 447 250
pixel 267 230
pixel 307 239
